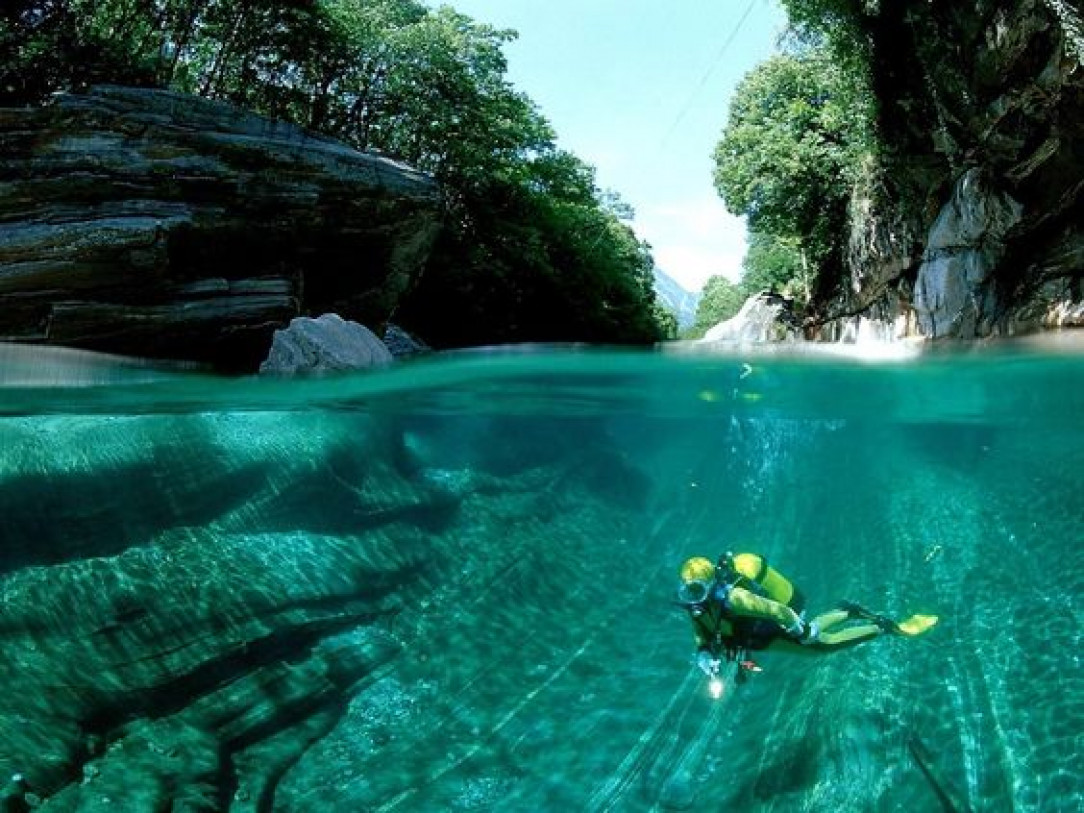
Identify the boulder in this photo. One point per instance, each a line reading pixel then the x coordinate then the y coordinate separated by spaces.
pixel 151 223
pixel 403 344
pixel 764 317
pixel 326 344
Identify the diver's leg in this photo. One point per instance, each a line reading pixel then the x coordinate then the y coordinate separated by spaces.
pixel 832 618
pixel 832 635
pixel 827 641
pixel 846 636
pixel 849 636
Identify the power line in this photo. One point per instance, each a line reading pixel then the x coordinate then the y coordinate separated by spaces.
pixel 707 74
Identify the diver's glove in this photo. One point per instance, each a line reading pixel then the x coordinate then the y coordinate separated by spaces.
pixel 707 663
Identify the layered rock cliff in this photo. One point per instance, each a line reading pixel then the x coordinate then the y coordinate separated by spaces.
pixel 151 223
pixel 974 224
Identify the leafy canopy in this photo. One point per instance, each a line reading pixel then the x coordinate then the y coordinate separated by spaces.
pixel 791 148
pixel 533 250
pixel 720 300
pixel 799 129
pixel 775 264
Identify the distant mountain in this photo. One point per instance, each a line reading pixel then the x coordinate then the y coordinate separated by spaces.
pixel 673 296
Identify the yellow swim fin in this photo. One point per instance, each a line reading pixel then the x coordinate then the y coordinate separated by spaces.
pixel 916 624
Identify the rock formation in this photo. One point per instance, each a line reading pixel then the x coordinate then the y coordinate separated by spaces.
pixel 402 344
pixel 266 610
pixel 976 227
pixel 764 317
pixel 328 343
pixel 150 223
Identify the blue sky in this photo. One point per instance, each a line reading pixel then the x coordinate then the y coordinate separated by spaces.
pixel 640 89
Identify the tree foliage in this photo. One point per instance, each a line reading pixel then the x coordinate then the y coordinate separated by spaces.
pixel 842 25
pixel 533 250
pixel 775 264
pixel 791 148
pixel 797 136
pixel 720 300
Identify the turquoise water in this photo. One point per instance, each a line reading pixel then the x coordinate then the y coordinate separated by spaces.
pixel 447 585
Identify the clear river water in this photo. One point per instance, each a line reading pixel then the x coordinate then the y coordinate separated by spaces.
pixel 449 584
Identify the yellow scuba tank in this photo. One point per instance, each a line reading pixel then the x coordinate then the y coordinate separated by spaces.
pixel 766 580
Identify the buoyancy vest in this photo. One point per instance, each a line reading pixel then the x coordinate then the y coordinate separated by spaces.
pixel 727 635
pixel 752 571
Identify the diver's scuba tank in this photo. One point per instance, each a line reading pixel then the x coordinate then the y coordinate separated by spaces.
pixel 752 571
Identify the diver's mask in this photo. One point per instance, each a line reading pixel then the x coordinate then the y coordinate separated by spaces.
pixel 694 594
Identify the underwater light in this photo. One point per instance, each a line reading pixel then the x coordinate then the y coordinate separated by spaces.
pixel 716 688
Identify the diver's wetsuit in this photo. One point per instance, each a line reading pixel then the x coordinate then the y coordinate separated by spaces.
pixel 734 618
pixel 749 606
pixel 752 606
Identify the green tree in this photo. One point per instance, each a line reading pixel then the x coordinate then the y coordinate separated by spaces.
pixel 533 250
pixel 720 300
pixel 667 321
pixel 46 45
pixel 775 264
pixel 546 259
pixel 791 152
pixel 843 25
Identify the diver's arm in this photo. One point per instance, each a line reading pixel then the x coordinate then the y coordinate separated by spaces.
pixel 702 639
pixel 745 603
pixel 705 658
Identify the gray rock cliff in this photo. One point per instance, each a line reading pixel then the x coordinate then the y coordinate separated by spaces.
pixel 975 225
pixel 150 223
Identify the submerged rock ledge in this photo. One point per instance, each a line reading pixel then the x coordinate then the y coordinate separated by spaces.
pixel 274 611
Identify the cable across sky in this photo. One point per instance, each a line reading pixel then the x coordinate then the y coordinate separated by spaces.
pixel 640 90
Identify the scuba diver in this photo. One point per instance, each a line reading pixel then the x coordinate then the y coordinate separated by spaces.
pixel 741 604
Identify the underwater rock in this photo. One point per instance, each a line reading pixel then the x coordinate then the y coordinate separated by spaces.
pixel 176 640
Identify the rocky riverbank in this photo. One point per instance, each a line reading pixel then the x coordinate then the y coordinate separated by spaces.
pixel 974 224
pixel 150 223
